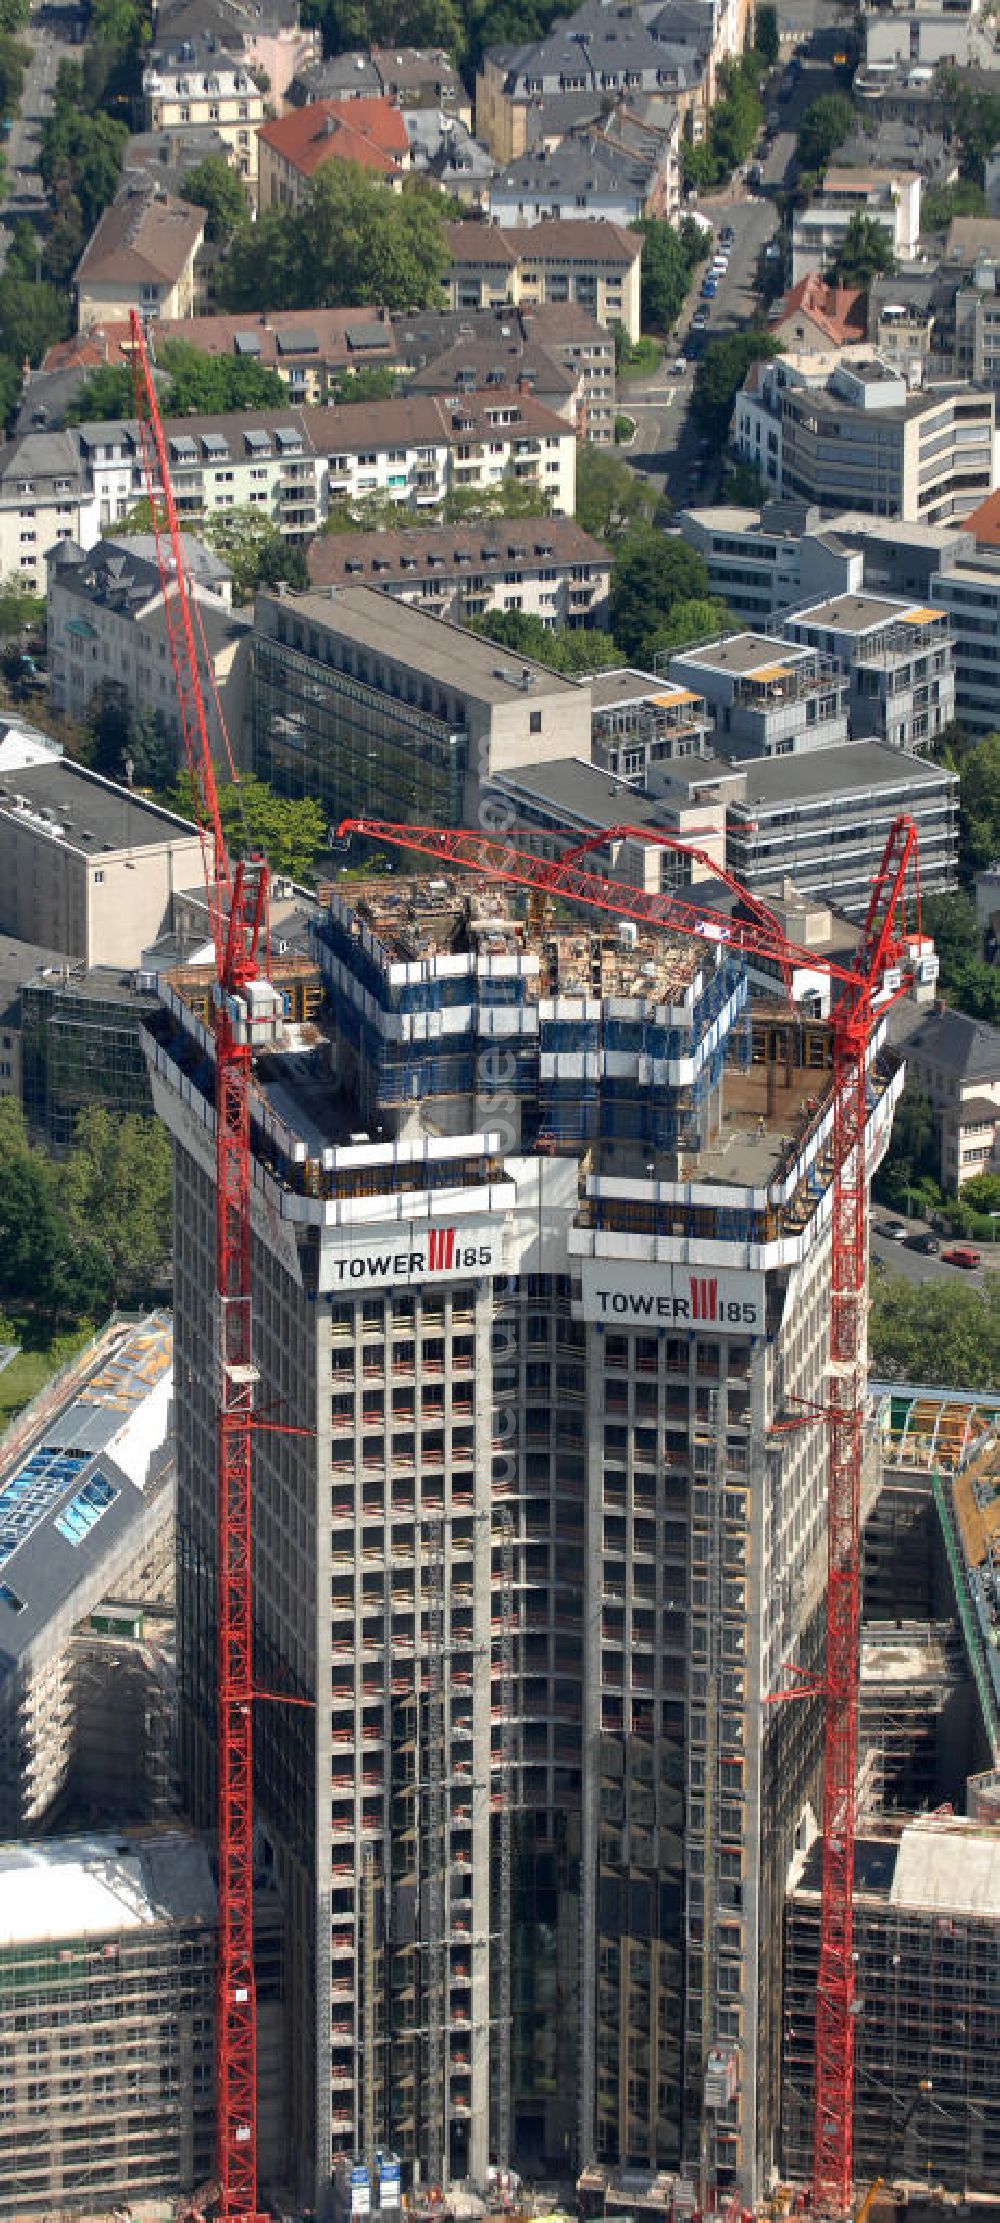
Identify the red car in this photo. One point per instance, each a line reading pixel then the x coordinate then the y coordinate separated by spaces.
pixel 962 1255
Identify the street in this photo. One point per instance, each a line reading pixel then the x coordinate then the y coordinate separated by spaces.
pixel 665 444
pixel 26 193
pixel 913 1266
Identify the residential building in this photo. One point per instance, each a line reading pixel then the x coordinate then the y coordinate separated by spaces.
pixel 445 150
pixel 45 497
pixel 589 59
pixel 164 159
pixel 926 1930
pixel 564 330
pixel 418 451
pixel 310 351
pixel 370 133
pixel 855 437
pixel 821 818
pixel 638 724
pixel 140 257
pixel 86 866
pixel 547 567
pixel 955 1061
pixel 595 266
pixel 406 718
pixel 86 1516
pixel 616 1264
pixel 478 366
pixel 589 176
pixel 888 198
pixel 763 561
pixel 912 325
pixel 106 625
pixel 814 316
pixel 197 82
pixel 267 35
pixel 415 79
pixel 766 697
pixel 900 659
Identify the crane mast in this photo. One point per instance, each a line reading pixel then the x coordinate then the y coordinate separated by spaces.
pixel 886 957
pixel 245 1016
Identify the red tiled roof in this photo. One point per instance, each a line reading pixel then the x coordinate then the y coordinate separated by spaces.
pixel 369 132
pixel 985 522
pixel 337 338
pixel 837 311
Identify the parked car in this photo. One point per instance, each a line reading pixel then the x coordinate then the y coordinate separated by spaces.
pixel 709 288
pixel 726 236
pixel 699 321
pixel 891 1231
pixel 928 1244
pixel 962 1255
pixel 678 366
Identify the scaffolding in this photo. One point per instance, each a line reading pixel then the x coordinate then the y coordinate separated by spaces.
pixel 502 1927
pixel 435 2100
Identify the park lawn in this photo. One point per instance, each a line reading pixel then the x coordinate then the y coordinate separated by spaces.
pixel 33 1367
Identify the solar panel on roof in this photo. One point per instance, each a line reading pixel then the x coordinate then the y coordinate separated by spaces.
pixel 368 335
pixel 303 341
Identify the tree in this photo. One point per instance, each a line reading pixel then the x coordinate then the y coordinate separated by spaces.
pixel 935 1333
pixel 255 550
pixel 14 59
pixel 733 127
pixel 766 37
pixel 668 260
pixel 699 618
pixel 979 806
pixel 941 202
pixel 116 1193
pixel 373 382
pixel 721 373
pixel 865 252
pixel 32 318
pixel 82 155
pixel 14 15
pixel 290 832
pixel 608 493
pixel 209 385
pixel 951 920
pixel 827 122
pixel 974 120
pixel 353 241
pixel 213 186
pixel 20 610
pixel 650 575
pixel 106 395
pixel 573 653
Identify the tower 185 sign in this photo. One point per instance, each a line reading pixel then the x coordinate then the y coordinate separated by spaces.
pixel 672 1296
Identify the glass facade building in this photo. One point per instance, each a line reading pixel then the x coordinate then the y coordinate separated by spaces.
pixel 80 1049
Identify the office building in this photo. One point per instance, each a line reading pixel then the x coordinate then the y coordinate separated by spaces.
pixel 926 1935
pixel 762 561
pixel 87 1519
pixel 543 803
pixel 900 659
pixel 541 1234
pixel 821 818
pixel 968 596
pixel 397 715
pixel 86 866
pixel 548 567
pixel 855 437
pixel 77 1034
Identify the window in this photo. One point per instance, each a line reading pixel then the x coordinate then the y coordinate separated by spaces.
pixel 535 721
pixel 98 879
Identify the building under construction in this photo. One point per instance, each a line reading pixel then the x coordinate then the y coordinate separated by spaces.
pixel 87 1681
pixel 541 1268
pixel 927 1941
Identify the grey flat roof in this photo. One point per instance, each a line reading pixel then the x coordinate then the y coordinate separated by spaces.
pixel 571 784
pixel 626 685
pixel 851 613
pixel 91 813
pixel 856 767
pixel 463 661
pixel 744 654
pixel 74 1887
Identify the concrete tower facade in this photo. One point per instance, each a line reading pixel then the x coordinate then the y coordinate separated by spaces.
pixel 542 1229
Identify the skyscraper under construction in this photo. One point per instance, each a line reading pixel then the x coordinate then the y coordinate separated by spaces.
pixel 541 1259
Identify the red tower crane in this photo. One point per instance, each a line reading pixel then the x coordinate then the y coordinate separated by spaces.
pixel 244 1017
pixel 883 967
